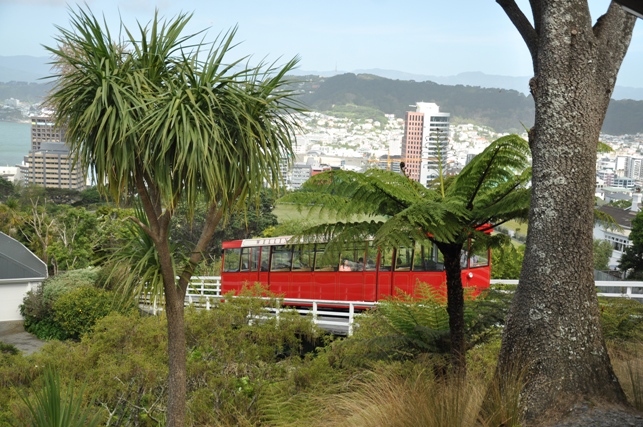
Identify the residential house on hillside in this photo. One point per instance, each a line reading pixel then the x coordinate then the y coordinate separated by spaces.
pixel 20 272
pixel 618 238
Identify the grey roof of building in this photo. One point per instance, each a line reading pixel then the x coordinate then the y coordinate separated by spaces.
pixel 623 217
pixel 618 196
pixel 18 262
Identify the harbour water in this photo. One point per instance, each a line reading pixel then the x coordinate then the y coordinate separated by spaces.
pixel 15 141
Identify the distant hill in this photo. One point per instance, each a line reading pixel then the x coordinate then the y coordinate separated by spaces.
pixel 24 68
pixel 503 110
pixel 31 69
pixel 624 117
pixel 26 92
pixel 473 78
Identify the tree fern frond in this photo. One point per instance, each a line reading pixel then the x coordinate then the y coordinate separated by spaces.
pixel 500 162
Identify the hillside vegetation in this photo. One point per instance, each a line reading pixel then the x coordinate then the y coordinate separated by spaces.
pixel 503 110
pixel 351 95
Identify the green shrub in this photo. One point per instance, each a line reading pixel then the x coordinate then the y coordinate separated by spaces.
pixel 34 308
pixel 485 315
pixel 46 329
pixel 8 349
pixel 65 282
pixel 67 305
pixel 406 327
pixel 622 319
pixel 239 352
pixel 37 306
pixel 76 311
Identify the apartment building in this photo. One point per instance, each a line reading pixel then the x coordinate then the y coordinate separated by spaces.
pixel 49 163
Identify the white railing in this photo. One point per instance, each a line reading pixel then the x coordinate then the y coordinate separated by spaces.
pixel 205 292
pixel 323 315
pixel 605 288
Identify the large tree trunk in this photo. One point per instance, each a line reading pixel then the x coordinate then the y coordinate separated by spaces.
pixel 553 329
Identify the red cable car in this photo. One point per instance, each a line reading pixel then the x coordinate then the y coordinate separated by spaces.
pixel 361 273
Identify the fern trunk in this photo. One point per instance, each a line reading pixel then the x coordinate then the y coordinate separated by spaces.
pixel 455 303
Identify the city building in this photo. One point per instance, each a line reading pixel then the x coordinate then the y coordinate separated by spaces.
pixel 51 166
pixel 388 162
pixel 49 163
pixel 11 173
pixel 425 142
pixel 43 130
pixel 633 168
pixel 299 174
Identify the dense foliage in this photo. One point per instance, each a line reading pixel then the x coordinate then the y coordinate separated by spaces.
pixel 248 369
pixel 602 254
pixel 621 319
pixel 506 261
pixel 235 355
pixel 250 220
pixel 70 229
pixel 68 305
pixel 631 262
pixel 7 189
pixel 396 211
pixel 161 113
pixel 61 227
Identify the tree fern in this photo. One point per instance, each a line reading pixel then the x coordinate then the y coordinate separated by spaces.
pixel 492 189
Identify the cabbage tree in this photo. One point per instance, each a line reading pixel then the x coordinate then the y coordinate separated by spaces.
pixel 161 115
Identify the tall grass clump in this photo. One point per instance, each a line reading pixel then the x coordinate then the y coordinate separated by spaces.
pixel 389 398
pixel 501 406
pixel 627 361
pixel 622 322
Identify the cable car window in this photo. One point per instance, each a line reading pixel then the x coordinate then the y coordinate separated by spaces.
pixel 303 258
pixel 265 257
pixel 231 259
pixel 404 257
pixel 245 259
pixel 281 258
pixel 386 259
pixel 424 257
pixel 323 261
pixel 478 255
pixel 371 257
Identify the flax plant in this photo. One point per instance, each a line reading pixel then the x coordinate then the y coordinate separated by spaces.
pixel 50 407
